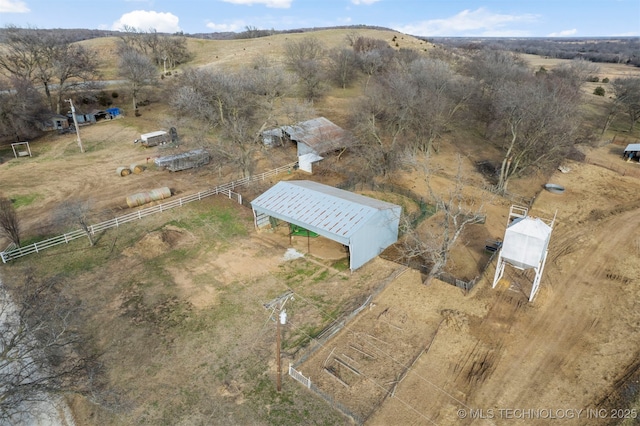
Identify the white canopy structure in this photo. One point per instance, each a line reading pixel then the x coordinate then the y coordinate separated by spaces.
pixel 525 246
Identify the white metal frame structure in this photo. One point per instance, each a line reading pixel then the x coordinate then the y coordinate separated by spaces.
pixel 517 213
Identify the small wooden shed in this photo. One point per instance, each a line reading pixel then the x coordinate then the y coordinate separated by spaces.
pixel 54 122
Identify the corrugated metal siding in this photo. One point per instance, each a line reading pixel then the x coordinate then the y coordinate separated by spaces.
pixel 328 211
pixel 376 235
pixel 320 135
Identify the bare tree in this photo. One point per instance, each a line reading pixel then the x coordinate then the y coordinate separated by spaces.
pixel 342 66
pixel 167 51
pixel 139 70
pixel 537 124
pixel 240 105
pixel 373 55
pixel 627 92
pixel 304 59
pixel 20 106
pixel 379 125
pixel 577 71
pixel 406 110
pixel 439 95
pixel 9 224
pixel 74 66
pixel 48 59
pixel 454 212
pixel 40 348
pixel 76 213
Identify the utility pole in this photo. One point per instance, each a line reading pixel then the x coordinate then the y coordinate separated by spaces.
pixel 278 321
pixel 75 123
pixel 281 318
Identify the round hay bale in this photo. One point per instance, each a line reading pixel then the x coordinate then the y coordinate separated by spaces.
pixel 123 171
pixel 137 168
pixel 141 198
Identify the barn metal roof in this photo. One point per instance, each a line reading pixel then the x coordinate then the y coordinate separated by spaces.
pixel 632 147
pixel 320 134
pixel 319 207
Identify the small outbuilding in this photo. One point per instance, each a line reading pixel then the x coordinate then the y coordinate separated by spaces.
pixel 314 138
pixel 365 225
pixel 83 118
pixel 632 152
pixel 54 122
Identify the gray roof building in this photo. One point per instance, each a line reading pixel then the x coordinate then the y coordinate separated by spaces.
pixel 366 225
pixel 318 136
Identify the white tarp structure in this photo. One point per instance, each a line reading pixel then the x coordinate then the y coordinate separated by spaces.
pixel 525 246
pixel 366 225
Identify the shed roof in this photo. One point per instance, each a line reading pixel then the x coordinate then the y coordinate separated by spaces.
pixel 319 207
pixel 533 227
pixel 320 134
pixel 632 147
pixel 152 134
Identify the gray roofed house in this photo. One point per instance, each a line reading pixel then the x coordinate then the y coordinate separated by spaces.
pixel 366 225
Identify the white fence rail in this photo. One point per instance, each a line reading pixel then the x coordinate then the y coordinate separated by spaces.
pixel 299 376
pixel 13 252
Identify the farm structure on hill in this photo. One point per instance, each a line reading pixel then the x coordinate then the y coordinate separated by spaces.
pixel 365 225
pixel 53 122
pixel 632 152
pixel 314 138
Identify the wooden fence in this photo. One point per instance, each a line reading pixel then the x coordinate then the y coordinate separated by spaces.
pixel 13 252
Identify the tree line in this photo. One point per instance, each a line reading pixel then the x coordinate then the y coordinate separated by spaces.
pixel 41 69
pixel 622 50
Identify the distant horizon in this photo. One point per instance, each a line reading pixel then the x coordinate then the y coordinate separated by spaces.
pixel 421 18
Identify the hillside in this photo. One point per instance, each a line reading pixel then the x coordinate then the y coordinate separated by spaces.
pixel 240 52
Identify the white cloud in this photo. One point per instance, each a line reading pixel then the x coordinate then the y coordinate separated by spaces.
pixel 479 22
pixel 145 20
pixel 564 33
pixel 367 2
pixel 234 26
pixel 278 4
pixel 13 6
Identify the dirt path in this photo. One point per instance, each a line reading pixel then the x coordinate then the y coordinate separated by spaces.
pixel 560 353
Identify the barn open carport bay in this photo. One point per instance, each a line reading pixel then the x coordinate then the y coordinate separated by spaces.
pixel 418 354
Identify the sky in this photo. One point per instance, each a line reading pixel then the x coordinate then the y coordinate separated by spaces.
pixel 428 18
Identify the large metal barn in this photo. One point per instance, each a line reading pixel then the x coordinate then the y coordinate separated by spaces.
pixel 365 225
